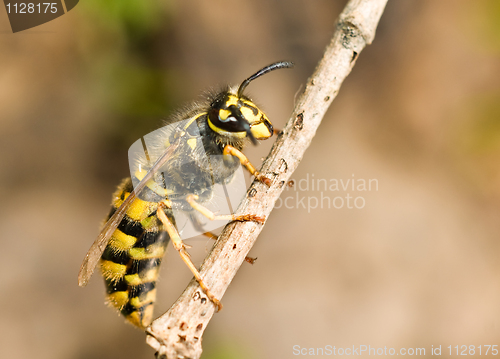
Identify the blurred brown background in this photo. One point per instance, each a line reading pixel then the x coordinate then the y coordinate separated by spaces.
pixel 417 266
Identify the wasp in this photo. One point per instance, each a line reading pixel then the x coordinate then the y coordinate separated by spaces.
pixel 200 147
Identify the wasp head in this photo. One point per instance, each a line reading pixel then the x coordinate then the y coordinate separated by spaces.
pixel 234 115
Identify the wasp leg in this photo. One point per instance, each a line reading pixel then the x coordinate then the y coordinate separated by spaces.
pixel 181 248
pixel 211 235
pixel 199 227
pixel 214 237
pixel 230 150
pixel 191 199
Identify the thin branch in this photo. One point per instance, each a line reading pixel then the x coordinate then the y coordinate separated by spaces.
pixel 178 333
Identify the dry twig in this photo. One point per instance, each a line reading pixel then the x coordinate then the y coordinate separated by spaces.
pixel 177 333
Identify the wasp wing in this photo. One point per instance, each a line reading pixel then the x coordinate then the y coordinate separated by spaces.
pixel 97 248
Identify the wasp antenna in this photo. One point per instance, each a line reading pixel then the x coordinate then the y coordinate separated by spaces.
pixel 263 71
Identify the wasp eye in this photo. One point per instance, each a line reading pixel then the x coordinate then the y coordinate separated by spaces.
pixel 228 119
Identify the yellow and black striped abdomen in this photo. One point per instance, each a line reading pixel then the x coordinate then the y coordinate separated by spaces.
pixel 131 260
